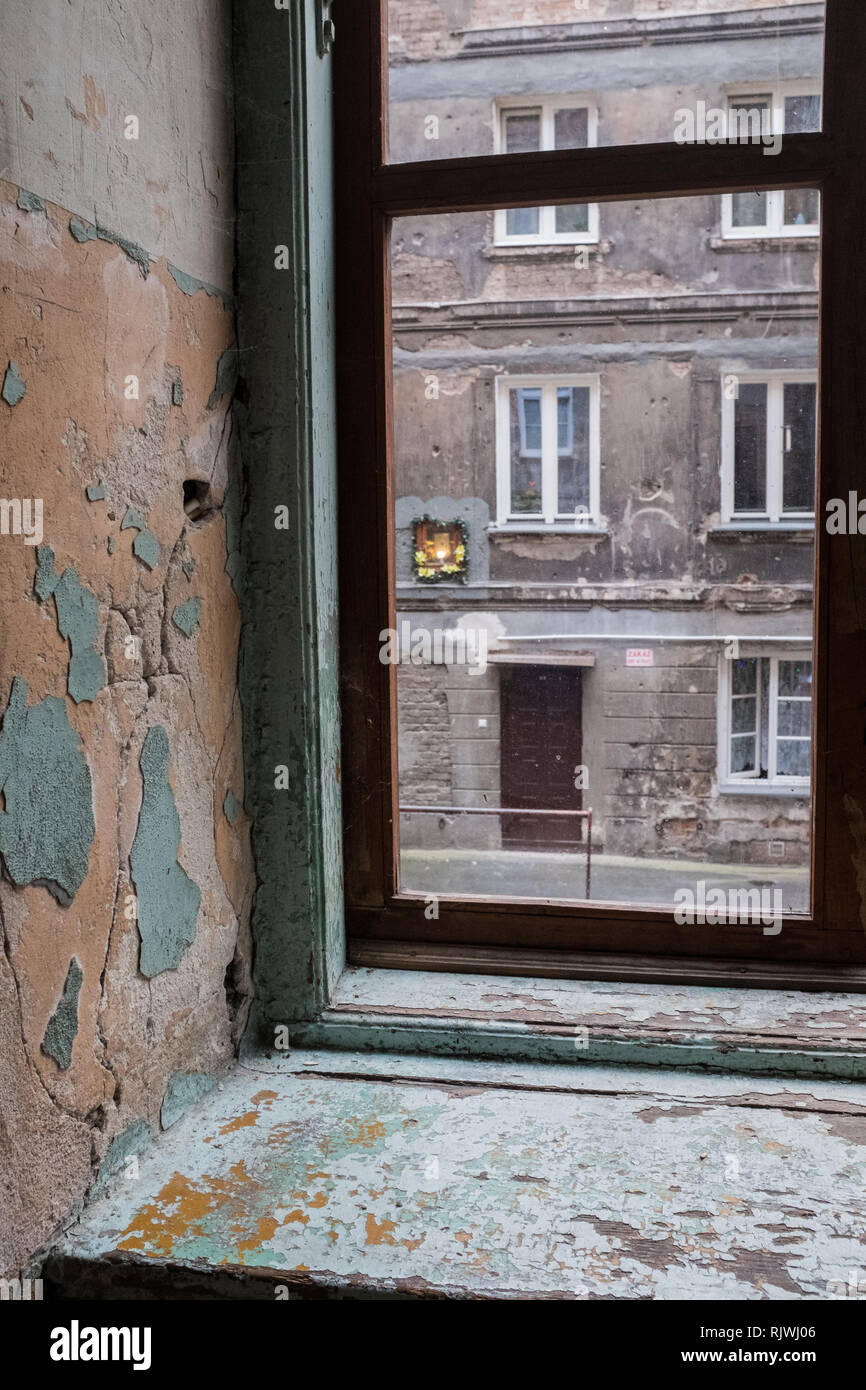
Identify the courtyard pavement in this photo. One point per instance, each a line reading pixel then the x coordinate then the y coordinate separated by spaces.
pixel 615 878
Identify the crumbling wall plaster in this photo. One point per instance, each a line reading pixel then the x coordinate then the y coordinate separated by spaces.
pixel 120 746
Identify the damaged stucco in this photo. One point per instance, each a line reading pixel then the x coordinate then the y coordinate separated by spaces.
pixel 121 730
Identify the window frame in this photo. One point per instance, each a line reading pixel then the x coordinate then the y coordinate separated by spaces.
pixel 547 234
pixel 775 225
pixel 751 783
pixel 370 193
pixel 548 517
pixel 776 380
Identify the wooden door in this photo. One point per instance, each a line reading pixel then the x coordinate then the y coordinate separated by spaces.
pixel 540 746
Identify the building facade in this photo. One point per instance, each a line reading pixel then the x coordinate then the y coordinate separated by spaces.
pixel 617 403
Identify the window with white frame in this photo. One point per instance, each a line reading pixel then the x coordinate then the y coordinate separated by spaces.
pixel 768 446
pixel 793 108
pixel 766 719
pixel 547 450
pixel 545 123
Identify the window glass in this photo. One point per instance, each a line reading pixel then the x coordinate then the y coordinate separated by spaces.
pixel 659 70
pixel 750 448
pixel 617 667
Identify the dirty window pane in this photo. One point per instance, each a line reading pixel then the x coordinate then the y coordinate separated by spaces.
pixel 525 414
pixel 619 669
pixel 802 113
pixel 750 448
pixel 522 132
pixel 799 447
pixel 749 209
pixel 655 70
pixel 795 678
pixel 571 132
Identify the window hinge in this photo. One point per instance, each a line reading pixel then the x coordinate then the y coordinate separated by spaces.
pixel 324 27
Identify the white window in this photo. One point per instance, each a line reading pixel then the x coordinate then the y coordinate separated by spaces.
pixel 545 123
pixel 765 718
pixel 547 450
pixel 793 108
pixel 768 446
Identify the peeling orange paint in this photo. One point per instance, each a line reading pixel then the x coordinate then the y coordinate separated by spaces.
pixel 266 1227
pixel 265 1098
pixel 245 1121
pixel 380 1232
pixel 178 1210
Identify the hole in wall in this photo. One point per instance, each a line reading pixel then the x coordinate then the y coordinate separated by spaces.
pixel 197 498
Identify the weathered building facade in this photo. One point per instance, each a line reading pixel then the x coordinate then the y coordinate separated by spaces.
pixel 618 401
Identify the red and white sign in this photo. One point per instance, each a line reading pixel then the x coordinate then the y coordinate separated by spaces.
pixel 639 656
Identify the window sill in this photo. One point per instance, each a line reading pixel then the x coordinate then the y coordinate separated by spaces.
pixel 807 242
pixel 738 530
pixel 520 528
pixel 543 251
pixel 336 1175
pixel 757 787
pixel 600 1019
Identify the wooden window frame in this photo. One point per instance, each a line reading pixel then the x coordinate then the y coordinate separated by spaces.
pixel 548 517
pixel 774 463
pixel 369 193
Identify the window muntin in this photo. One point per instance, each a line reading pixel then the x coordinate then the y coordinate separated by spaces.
pixel 769 435
pixel 547 450
pixel 792 109
pixel 765 703
pixel 546 123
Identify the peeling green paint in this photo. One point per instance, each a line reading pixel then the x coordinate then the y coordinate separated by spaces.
pixel 131 1141
pixel 177 392
pixel 30 202
pixel 95 492
pixel 146 547
pixel 63 1023
pixel 183 1089
pixel 186 616
pixel 226 376
pixel 14 388
pixel 46 579
pixel 231 807
pixel 77 621
pixel 133 519
pixel 47 829
pixel 188 567
pixel 82 231
pixel 168 900
pixel 190 285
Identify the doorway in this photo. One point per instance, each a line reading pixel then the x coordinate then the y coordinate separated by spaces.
pixel 541 750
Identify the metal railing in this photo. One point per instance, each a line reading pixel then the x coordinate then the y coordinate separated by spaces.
pixel 509 811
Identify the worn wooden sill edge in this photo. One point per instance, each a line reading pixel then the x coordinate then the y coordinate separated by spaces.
pixel 583 1023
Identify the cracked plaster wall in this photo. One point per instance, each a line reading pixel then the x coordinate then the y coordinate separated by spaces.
pixel 134 624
